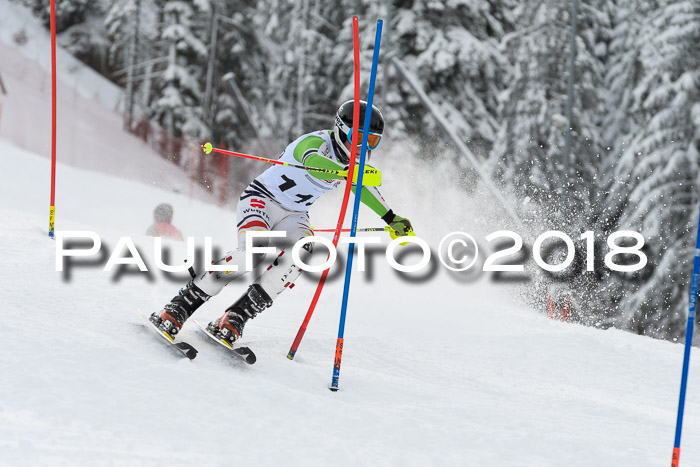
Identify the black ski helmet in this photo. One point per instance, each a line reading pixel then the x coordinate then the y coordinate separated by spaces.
pixel 343 125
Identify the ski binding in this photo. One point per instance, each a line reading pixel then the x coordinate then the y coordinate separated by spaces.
pixel 242 352
pixel 183 347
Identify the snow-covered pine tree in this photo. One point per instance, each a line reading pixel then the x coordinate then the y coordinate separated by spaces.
pixel 655 127
pixel 131 32
pixel 68 12
pixel 177 105
pixel 313 36
pixel 118 30
pixel 123 24
pixel 75 28
pixel 452 49
pixel 237 99
pixel 243 55
pixel 532 133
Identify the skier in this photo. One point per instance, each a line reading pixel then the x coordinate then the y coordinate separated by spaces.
pixel 278 200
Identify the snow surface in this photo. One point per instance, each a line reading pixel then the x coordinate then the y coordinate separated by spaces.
pixel 436 372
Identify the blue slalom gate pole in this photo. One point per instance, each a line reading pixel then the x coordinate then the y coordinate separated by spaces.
pixel 356 210
pixel 675 459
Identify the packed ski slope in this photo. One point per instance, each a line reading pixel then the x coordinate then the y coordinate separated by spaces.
pixel 435 372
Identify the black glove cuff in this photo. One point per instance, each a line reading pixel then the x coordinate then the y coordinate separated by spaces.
pixel 389 217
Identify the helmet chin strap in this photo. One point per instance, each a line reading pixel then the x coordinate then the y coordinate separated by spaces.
pixel 357 156
pixel 344 154
pixel 341 151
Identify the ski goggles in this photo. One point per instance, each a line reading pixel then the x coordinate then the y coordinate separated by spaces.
pixel 373 139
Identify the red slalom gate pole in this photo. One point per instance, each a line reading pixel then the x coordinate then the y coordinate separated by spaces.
pixel 348 185
pixel 223 177
pixel 566 309
pixel 52 207
pixel 550 308
pixel 194 160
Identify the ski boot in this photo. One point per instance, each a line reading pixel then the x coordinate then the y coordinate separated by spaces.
pixel 230 326
pixel 180 308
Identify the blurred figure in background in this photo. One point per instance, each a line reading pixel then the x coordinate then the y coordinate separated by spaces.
pixel 162 227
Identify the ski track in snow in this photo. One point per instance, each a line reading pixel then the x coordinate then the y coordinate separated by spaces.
pixel 434 373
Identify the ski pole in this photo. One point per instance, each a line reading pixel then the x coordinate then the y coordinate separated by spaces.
pixel 374 176
pixel 348 186
pixel 369 229
pixel 356 212
pixel 675 458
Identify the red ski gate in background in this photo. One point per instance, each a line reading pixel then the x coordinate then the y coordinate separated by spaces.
pixel 211 171
pixel 552 312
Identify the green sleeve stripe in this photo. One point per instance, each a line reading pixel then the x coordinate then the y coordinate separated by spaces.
pixel 369 200
pixel 319 162
pixel 306 152
pixel 305 145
